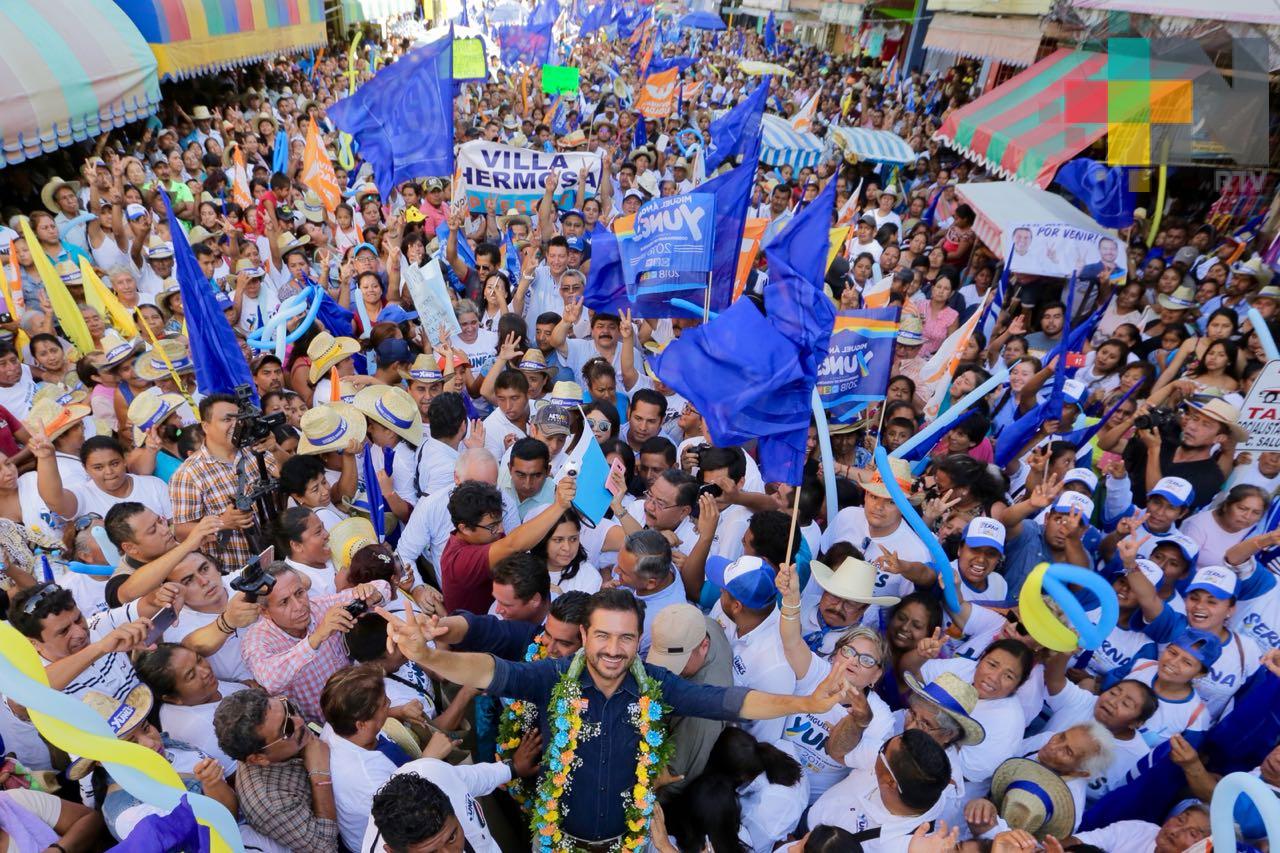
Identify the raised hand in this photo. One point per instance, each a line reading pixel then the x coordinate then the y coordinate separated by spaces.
pixel 931 646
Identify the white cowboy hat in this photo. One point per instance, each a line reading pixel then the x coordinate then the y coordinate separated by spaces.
pixel 853 580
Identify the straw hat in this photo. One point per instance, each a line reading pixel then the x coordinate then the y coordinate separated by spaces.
pixel 123 716
pixel 956 698
pixel 55 418
pixel 567 394
pixel 288 243
pixel 1255 268
pixel 911 331
pixel 534 360
pixel 873 483
pixel 349 536
pixel 116 350
pixel 1220 410
pixel 49 190
pixel 573 139
pixel 325 351
pixel 151 367
pixel 150 408
pixel 854 580
pixel 425 368
pixel 1180 300
pixel 393 408
pixel 330 427
pixel 199 234
pixel 1031 797
pixel 60 394
pixel 312 208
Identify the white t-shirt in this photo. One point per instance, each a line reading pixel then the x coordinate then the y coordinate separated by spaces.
pixel 34 509
pixel 151 492
pixel 587 580
pixel 324 580
pixel 362 773
pixel 496 429
pixel 1075 705
pixel 1203 529
pixel 1173 716
pixel 193 724
pixel 850 525
pixel 854 804
pixel 227 662
pixel 760 663
pixel 808 733
pixel 1002 719
pixel 462 784
pixel 18 397
pixel 481 352
pixel 1131 836
pixel 579 352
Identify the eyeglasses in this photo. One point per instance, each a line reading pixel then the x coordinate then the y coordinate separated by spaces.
pixel 884 759
pixel 849 653
pixel 85 521
pixel 290 727
pixel 598 426
pixel 657 502
pixel 40 598
pixel 491 528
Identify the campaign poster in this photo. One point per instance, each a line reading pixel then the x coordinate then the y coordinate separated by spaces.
pixel 859 361
pixel 1058 250
pixel 667 253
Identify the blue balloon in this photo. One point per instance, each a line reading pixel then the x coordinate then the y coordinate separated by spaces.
pixel 683 146
pixel 941 562
pixel 1055 583
pixel 263 337
pixel 1221 810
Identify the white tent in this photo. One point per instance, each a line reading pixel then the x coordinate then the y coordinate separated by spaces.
pixel 1002 205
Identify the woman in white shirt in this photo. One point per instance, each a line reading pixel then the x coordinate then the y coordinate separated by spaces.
pixel 184 683
pixel 566 558
pixel 109 480
pixel 1216 529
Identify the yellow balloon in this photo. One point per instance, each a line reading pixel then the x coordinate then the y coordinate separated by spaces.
pixel 1040 622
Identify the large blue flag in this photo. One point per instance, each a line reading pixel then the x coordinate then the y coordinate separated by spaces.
pixel 606 288
pixel 386 117
pixel 1103 190
pixel 530 45
pixel 595 18
pixel 373 490
pixel 770 34
pixel 220 366
pixel 859 361
pixel 545 14
pixel 662 63
pixel 738 129
pixel 628 24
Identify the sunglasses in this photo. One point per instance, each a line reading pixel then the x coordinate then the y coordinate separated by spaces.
pixel 598 426
pixel 86 521
pixel 1012 619
pixel 40 598
pixel 291 726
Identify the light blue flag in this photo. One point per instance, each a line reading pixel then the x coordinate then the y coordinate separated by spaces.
pixel 530 45
pixel 738 129
pixel 386 116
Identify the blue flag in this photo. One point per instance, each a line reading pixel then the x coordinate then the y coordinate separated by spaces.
pixel 640 136
pixel 338 320
pixel 662 63
pixel 1103 190
pixel 559 124
pixel 280 153
pixel 931 212
pixel 737 130
pixel 859 361
pixel 512 261
pixel 220 366
pixel 595 18
pixel 770 34
pixel 530 45
pixel 386 117
pixel 373 489
pixel 545 14
pixel 177 830
pixel 628 24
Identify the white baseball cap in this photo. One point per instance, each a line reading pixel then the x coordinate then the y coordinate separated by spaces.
pixel 1068 501
pixel 1175 490
pixel 984 532
pixel 1082 475
pixel 1218 581
pixel 1151 571
pixel 1074 391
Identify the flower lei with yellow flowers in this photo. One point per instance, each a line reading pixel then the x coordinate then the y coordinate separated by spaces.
pixel 517 718
pixel 567 706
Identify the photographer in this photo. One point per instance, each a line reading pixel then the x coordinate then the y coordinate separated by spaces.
pixel 207 483
pixel 300 644
pixel 1184 446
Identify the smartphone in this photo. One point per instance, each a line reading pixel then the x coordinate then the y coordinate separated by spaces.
pixel 160 623
pixel 621 470
pixel 1075 359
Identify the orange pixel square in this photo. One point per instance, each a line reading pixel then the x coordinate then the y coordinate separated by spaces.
pixel 1171 102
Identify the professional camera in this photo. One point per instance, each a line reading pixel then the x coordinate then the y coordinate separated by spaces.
pixel 1159 419
pixel 252 426
pixel 357 608
pixel 254 580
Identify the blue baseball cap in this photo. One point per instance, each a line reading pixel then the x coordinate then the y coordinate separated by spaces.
pixel 394 351
pixel 1201 645
pixel 224 301
pixel 747 579
pixel 360 247
pixel 576 244
pixel 985 532
pixel 1175 490
pixel 572 212
pixel 1190 550
pixel 394 313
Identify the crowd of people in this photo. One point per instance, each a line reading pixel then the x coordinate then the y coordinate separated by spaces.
pixel 721 663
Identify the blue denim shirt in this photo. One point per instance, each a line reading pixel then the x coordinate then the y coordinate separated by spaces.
pixel 609 743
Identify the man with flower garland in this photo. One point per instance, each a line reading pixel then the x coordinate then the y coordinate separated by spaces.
pixel 601 704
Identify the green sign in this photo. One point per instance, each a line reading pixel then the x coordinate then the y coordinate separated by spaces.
pixel 468 60
pixel 559 79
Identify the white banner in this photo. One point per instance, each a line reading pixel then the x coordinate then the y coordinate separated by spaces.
pixel 1055 249
pixel 516 176
pixel 430 299
pixel 1260 414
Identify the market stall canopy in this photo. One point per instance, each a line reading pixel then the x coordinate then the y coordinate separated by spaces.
pixel 1002 205
pixel 72 69
pixel 1242 11
pixel 1013 39
pixel 191 37
pixel 756 68
pixel 882 146
pixel 783 144
pixel 1020 130
pixel 702 21
pixel 359 11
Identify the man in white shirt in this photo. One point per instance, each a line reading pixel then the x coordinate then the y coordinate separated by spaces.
pixel 509 421
pixel 866 239
pixel 447 421
pixel 606 342
pixel 884 804
pixel 750 620
pixel 645 568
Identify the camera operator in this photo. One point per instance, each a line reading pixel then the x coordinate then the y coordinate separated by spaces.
pixel 207 483
pixel 299 643
pixel 1197 445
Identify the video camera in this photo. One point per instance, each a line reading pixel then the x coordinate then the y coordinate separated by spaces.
pixel 254 580
pixel 252 426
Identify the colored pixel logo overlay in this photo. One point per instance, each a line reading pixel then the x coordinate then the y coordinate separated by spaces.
pixel 1163 100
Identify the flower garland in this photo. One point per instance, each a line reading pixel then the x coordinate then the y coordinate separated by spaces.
pixel 567 706
pixel 517 718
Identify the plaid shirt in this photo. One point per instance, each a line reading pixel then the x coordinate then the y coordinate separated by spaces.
pixel 282 663
pixel 276 800
pixel 206 485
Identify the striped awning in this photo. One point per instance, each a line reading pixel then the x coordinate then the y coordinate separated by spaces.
pixel 1243 11
pixel 882 146
pixel 72 69
pixel 191 37
pixel 359 11
pixel 783 144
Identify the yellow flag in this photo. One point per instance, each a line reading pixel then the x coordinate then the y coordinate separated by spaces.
pixel 837 242
pixel 317 171
pixel 64 305
pixel 97 294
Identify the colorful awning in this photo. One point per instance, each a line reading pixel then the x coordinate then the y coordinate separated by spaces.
pixel 191 37
pixel 70 70
pixel 359 11
pixel 1243 11
pixel 783 144
pixel 1013 39
pixel 882 146
pixel 1002 205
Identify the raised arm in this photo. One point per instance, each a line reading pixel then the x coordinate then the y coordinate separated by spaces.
pixel 793 645
pixel 49 479
pixel 560 334
pixel 467 669
pixel 535 529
